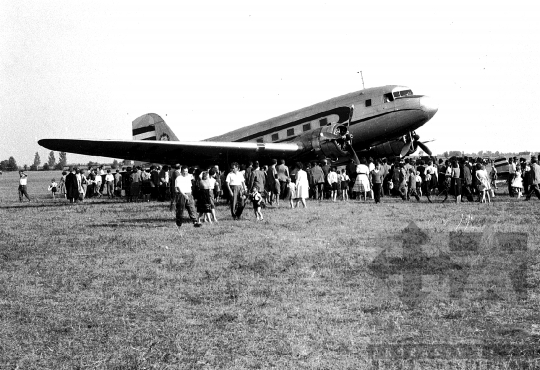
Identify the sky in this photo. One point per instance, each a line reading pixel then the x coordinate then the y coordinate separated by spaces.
pixel 87 69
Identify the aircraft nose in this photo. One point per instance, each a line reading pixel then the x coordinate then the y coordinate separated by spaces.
pixel 429 106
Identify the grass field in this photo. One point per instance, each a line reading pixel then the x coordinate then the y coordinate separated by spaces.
pixel 113 285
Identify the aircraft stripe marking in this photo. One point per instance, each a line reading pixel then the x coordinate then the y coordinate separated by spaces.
pixel 142 130
pixel 342 112
pixel 145 135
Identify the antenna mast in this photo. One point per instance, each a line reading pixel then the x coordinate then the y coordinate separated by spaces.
pixel 362 77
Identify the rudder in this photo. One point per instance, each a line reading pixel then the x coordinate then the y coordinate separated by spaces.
pixel 151 126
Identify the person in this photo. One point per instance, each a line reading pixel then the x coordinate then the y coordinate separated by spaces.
pixel 467 182
pixel 257 200
pixel 413 178
pixel 403 187
pixel 154 182
pixel 146 187
pixel 333 182
pixel 23 180
pixel 361 185
pixel 493 175
pixel 83 184
pixel 109 184
pixel 257 178
pixel 118 183
pixel 325 167
pixel 283 175
pixel 455 182
pixel 430 180
pixel 72 186
pixel 302 184
pixel 351 173
pixel 318 180
pixel 447 181
pixel 173 175
pixel 291 193
pixel 205 201
pixel 377 176
pixel 53 188
pixel 483 182
pixel 97 183
pixel 236 187
pixel 271 178
pixel 163 183
pixel 134 186
pixel 511 173
pixel 534 185
pixel 185 198
pixel 344 183
pixel 62 185
pixel 517 183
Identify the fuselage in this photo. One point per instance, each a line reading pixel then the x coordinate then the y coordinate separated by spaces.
pixel 380 114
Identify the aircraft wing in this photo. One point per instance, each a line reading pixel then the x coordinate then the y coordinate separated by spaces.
pixel 188 152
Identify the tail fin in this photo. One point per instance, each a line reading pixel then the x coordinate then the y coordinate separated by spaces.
pixel 151 126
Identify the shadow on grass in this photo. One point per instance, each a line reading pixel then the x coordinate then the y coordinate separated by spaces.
pixel 64 203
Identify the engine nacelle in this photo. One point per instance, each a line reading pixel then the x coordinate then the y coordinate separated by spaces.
pixel 326 142
pixel 391 149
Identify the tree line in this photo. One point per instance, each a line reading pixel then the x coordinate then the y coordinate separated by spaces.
pixel 51 164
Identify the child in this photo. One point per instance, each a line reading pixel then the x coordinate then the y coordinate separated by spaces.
pixel 333 181
pixel 53 188
pixel 418 179
pixel 344 185
pixel 292 193
pixel 257 200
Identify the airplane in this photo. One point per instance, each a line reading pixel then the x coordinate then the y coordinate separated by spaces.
pixel 378 122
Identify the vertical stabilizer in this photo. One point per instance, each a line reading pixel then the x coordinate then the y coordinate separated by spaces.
pixel 151 126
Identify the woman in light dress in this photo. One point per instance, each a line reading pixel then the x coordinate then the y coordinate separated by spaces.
pixel 483 182
pixel 302 185
pixel 517 182
pixel 362 185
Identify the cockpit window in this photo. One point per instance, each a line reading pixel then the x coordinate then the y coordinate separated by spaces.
pixel 399 94
pixel 388 98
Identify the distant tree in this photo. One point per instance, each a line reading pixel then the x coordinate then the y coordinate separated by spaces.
pixel 46 167
pixel 115 164
pixel 37 161
pixel 25 167
pixel 4 165
pixel 497 153
pixel 420 153
pixel 12 165
pixel 62 160
pixel 445 154
pixel 52 160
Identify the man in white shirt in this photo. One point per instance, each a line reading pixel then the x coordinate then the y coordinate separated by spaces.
pixel 23 177
pixel 182 187
pixel 109 181
pixel 236 186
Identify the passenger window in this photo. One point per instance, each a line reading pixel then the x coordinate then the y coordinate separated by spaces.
pixel 388 98
pixel 306 127
pixel 275 137
pixel 396 94
pixel 290 132
pixel 260 140
pixel 368 103
pixel 323 122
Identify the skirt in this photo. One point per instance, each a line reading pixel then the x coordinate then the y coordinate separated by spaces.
pixel 362 183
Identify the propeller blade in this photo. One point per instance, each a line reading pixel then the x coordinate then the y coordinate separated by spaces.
pixel 406 149
pixel 355 157
pixel 424 148
pixel 350 115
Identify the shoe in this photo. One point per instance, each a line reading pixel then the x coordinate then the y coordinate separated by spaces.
pixel 197 224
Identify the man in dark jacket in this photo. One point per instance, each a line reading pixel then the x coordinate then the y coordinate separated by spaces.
pixel 72 186
pixel 534 178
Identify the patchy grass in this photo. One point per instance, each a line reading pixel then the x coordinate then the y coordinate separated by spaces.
pixel 114 285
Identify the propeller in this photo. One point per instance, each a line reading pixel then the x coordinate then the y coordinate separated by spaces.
pixel 412 141
pixel 329 136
